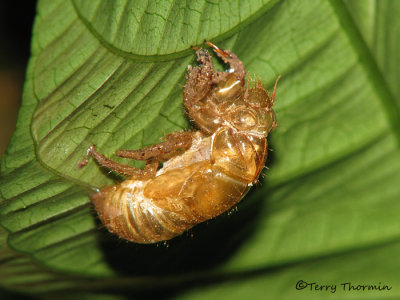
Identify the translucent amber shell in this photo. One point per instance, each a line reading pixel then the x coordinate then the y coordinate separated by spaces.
pixel 223 160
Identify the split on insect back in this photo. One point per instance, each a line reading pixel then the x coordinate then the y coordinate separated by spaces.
pixel 205 171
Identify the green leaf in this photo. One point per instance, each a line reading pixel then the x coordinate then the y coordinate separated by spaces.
pixel 111 73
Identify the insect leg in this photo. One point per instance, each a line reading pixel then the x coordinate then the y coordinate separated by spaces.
pixel 229 58
pixel 199 83
pixel 198 78
pixel 148 172
pixel 174 144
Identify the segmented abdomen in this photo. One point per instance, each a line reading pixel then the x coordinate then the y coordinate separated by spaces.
pixel 180 196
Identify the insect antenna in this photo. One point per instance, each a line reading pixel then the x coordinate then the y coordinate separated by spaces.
pixel 274 92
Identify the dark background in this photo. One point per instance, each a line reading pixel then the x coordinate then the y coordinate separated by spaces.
pixel 16 20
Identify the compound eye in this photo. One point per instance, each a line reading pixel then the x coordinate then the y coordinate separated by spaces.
pixel 266 121
pixel 258 97
pixel 244 119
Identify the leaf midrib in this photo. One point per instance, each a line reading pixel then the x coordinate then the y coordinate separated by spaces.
pixel 368 62
pixel 167 57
